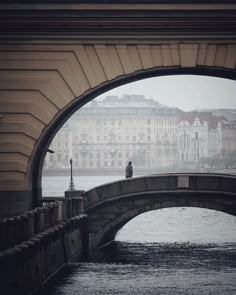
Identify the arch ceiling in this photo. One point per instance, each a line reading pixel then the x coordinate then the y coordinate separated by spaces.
pixel 37 85
pixel 54 57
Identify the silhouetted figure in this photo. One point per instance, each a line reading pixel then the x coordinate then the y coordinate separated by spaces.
pixel 129 170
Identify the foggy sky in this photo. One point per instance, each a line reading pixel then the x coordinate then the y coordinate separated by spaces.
pixel 187 92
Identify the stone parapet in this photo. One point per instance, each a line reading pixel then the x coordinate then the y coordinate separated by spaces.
pixel 21 228
pixel 26 266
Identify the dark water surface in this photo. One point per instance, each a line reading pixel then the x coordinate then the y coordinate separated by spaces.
pixel 152 268
pixel 172 251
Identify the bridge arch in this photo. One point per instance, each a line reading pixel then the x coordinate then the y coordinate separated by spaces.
pixel 109 232
pixel 43 85
pixel 110 207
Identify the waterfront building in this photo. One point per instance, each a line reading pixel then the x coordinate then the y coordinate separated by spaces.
pixel 202 135
pixel 107 133
pixel 110 132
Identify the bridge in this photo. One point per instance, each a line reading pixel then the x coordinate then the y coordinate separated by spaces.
pixel 55 56
pixel 41 241
pixel 111 206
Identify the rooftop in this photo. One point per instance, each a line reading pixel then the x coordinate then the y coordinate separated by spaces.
pixel 127 101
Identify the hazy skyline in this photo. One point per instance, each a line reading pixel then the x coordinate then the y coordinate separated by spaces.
pixel 187 92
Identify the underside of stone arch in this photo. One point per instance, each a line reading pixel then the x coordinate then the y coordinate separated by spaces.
pixel 102 230
pixel 41 86
pixel 56 56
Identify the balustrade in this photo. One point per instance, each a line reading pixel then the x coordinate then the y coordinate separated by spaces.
pixel 17 229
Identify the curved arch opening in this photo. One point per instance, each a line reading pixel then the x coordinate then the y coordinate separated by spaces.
pixel 180 225
pixel 77 104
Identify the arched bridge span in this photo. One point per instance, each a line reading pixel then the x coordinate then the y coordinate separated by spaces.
pixel 111 206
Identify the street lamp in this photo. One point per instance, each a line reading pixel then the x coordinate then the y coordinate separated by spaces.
pixel 50 151
pixel 71 185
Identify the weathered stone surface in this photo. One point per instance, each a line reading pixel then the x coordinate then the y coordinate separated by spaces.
pixel 138 195
pixel 28 265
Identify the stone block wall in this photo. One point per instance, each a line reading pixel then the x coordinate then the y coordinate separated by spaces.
pixel 25 267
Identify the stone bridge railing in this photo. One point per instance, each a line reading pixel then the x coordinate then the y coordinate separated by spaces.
pixel 37 244
pixel 176 183
pixel 112 205
pixel 18 229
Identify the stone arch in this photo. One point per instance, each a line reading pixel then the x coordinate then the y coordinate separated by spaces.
pixel 109 230
pixel 42 85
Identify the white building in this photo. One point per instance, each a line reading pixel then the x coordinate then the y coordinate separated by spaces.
pixel 106 134
pixel 111 132
pixel 202 135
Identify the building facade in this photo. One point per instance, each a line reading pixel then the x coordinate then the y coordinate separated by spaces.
pixel 106 134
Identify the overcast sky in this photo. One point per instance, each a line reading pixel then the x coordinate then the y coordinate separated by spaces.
pixel 184 91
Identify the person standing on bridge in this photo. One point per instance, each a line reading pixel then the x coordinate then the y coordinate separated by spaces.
pixel 129 170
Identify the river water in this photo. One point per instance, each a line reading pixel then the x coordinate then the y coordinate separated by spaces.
pixel 170 251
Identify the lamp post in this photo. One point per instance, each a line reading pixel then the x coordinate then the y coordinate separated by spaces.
pixel 71 185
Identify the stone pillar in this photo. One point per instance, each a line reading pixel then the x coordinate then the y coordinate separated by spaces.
pixel 61 210
pixel 74 207
pixel 77 206
pixel 10 232
pixel 46 216
pixel 81 205
pixel 39 220
pixel 55 213
pixel 23 228
pixel 50 214
pixel 31 222
pixel 67 208
pixel 19 230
